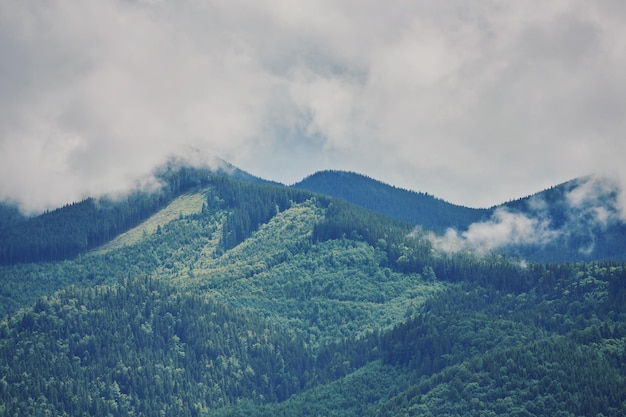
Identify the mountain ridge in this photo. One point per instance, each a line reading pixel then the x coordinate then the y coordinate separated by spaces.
pixel 413 207
pixel 577 220
pixel 78 227
pixel 265 300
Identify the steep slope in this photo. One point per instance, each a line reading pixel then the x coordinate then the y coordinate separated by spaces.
pixel 310 288
pixel 285 252
pixel 81 226
pixel 409 206
pixel 184 205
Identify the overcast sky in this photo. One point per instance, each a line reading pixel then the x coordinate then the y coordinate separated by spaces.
pixel 474 101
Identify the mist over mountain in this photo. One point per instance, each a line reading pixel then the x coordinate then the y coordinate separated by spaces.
pixel 80 226
pixel 10 214
pixel 581 219
pixel 142 275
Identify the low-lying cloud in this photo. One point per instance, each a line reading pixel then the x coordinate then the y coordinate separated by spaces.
pixel 577 213
pixel 504 228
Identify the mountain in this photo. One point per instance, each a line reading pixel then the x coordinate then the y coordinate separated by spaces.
pixel 582 220
pixel 246 298
pixel 80 226
pixel 409 206
pixel 194 160
pixel 579 220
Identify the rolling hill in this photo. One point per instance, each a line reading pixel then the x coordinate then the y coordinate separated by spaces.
pixel 237 297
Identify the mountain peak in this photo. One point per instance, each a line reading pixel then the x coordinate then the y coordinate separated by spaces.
pixel 413 207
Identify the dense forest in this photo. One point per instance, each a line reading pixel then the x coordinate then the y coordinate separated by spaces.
pixel 416 208
pixel 264 300
pixel 475 351
pixel 141 347
pixel 10 214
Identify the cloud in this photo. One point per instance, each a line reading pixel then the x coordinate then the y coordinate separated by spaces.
pixel 504 228
pixel 600 197
pixel 574 215
pixel 476 101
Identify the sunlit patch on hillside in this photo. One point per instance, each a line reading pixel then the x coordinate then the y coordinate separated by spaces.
pixel 184 205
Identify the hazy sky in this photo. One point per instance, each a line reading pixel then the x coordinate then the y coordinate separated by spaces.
pixel 474 101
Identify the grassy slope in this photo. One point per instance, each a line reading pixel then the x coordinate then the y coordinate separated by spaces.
pixel 129 254
pixel 186 204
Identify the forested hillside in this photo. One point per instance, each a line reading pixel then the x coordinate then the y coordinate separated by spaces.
pixel 9 215
pixel 409 206
pixel 142 347
pixel 580 220
pixel 242 298
pixel 476 351
pixel 78 227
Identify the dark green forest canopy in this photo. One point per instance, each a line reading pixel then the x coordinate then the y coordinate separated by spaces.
pixel 144 346
pixel 408 206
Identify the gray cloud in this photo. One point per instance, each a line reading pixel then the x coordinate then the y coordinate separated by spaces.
pixel 474 101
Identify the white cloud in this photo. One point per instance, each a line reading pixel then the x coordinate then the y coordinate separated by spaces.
pixel 474 101
pixel 503 229
pixel 576 213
